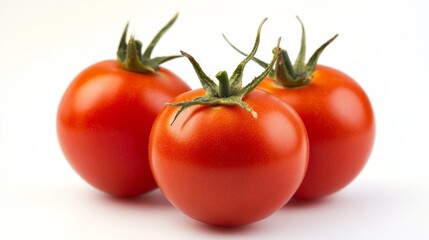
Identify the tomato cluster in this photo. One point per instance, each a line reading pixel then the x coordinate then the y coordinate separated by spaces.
pixel 225 154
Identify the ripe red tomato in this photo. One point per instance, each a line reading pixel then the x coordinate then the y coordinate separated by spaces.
pixel 222 166
pixel 105 116
pixel 336 112
pixel 340 124
pixel 232 156
pixel 104 121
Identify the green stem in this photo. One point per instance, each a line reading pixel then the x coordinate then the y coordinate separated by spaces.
pixel 224 85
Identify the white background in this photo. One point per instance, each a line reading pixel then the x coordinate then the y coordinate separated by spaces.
pixel 44 44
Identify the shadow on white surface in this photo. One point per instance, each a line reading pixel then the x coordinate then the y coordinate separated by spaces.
pixel 153 199
pixel 364 210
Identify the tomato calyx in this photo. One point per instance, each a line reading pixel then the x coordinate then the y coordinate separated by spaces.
pixel 230 90
pixel 130 54
pixel 292 75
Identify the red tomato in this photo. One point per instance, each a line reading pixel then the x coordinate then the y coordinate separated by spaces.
pixel 336 112
pixel 341 128
pixel 104 121
pixel 222 166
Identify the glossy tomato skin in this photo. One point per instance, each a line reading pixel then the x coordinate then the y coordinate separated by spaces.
pixel 341 128
pixel 104 121
pixel 222 166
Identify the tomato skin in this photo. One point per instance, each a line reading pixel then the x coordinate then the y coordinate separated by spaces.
pixel 222 166
pixel 340 124
pixel 104 121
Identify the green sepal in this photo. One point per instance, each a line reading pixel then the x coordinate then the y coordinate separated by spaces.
pixel 257 60
pixel 288 74
pixel 229 91
pixel 130 54
pixel 299 64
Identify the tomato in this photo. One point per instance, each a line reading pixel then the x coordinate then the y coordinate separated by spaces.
pixel 338 117
pixel 221 166
pixel 104 121
pixel 340 124
pixel 229 156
